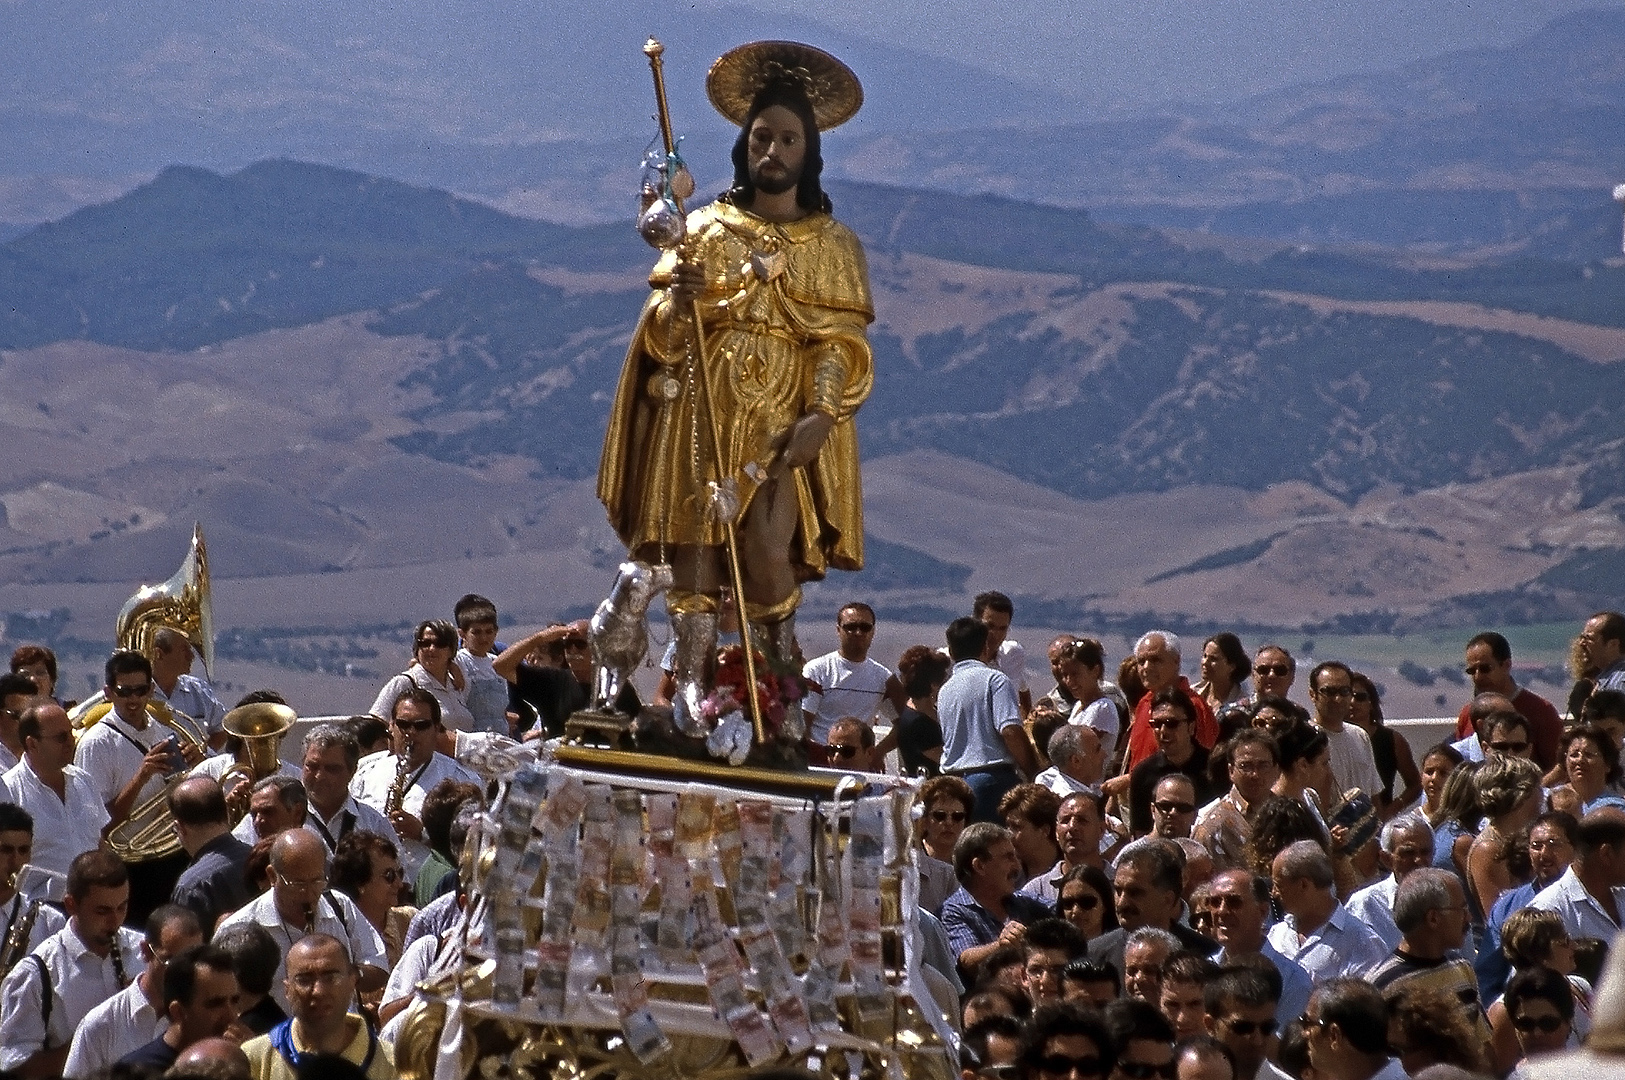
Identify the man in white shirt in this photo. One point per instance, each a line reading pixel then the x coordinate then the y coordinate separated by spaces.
pixel 1240 1009
pixel 277 803
pixel 331 757
pixel 47 995
pixel 414 764
pixel 846 682
pixel 1077 759
pixel 16 850
pixel 135 1015
pixel 299 903
pixel 17 693
pixel 1346 1026
pixel 176 686
pixel 1406 843
pixel 1331 688
pixel 67 811
pixel 1318 932
pixel 994 610
pixel 1590 896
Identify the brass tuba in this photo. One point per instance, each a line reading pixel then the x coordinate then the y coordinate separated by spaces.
pixel 260 727
pixel 181 603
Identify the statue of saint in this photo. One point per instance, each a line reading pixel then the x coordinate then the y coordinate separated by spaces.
pixel 783 295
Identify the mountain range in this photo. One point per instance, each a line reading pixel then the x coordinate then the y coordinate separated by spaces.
pixel 356 384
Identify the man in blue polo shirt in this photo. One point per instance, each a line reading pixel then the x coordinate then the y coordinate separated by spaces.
pixel 983 741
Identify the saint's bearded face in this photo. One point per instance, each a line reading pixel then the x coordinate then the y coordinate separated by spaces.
pixel 776 150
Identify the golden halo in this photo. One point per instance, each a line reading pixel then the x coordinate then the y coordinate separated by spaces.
pixel 739 75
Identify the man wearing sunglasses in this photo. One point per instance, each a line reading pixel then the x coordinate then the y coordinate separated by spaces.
pixel 1239 903
pixel 1488 663
pixel 851 745
pixel 1346 1026
pixel 1240 1007
pixel 415 765
pixel 845 682
pixel 1354 764
pixel 1172 719
pixel 1067 1041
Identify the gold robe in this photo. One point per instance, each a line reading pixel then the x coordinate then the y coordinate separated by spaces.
pixel 784 309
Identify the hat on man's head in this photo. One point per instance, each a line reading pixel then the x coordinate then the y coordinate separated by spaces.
pixel 740 74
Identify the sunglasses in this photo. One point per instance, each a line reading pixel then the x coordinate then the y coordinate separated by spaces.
pixel 1244 1028
pixel 1170 722
pixel 1086 902
pixel 1306 1021
pixel 1334 692
pixel 1222 901
pixel 942 817
pixel 842 752
pixel 1174 807
pixel 857 627
pixel 1271 669
pixel 1548 1024
pixel 1139 1071
pixel 1361 695
pixel 1061 1065
pixel 133 691
pixel 420 725
pixel 1509 747
pixel 433 643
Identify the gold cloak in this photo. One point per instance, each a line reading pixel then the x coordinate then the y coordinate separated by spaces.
pixel 785 310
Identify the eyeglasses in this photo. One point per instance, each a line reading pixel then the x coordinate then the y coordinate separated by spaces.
pixel 1039 971
pixel 315 884
pixel 1086 902
pixel 1244 1028
pixel 1548 1024
pixel 1251 765
pixel 1174 807
pixel 133 691
pixel 857 627
pixel 1509 747
pixel 1166 722
pixel 433 643
pixel 842 752
pixel 309 980
pixel 1061 1065
pixel 1554 844
pixel 409 725
pixel 1361 696
pixel 1140 1071
pixel 1310 1022
pixel 999 1072
pixel 1334 692
pixel 1479 669
pixel 942 817
pixel 1272 669
pixel 1223 901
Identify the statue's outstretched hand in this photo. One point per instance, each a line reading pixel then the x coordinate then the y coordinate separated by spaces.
pixel 803 440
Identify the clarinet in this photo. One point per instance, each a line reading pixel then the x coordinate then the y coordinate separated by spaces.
pixel 118 960
pixel 16 945
pixel 310 919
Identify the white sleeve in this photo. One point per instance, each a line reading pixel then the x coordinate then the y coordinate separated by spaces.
pixel 97 758
pixel 22 1027
pixel 1014 661
pixel 384 704
pixel 1006 706
pixel 366 947
pixel 413 965
pixel 82 1059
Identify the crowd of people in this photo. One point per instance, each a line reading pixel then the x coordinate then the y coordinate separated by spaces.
pixel 1127 877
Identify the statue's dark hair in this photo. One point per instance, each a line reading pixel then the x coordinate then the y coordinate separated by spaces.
pixel 809 193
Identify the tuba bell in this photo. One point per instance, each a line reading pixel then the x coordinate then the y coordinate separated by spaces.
pixel 259 727
pixel 182 603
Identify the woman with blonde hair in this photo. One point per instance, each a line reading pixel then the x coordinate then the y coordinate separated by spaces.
pixel 1530 939
pixel 1508 794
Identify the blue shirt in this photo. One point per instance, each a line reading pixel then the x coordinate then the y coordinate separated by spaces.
pixel 969 924
pixel 1490 965
pixel 973 707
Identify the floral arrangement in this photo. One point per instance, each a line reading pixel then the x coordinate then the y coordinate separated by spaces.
pixel 776 690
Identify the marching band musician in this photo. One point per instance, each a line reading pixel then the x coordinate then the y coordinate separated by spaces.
pixel 16 851
pixel 47 995
pixel 68 815
pixel 176 686
pixel 409 772
pixel 299 903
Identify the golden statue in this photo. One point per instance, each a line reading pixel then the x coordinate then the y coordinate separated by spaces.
pixel 753 426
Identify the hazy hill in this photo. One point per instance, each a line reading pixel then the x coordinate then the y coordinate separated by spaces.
pixel 360 385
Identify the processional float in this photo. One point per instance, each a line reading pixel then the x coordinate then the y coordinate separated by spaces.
pixel 640 909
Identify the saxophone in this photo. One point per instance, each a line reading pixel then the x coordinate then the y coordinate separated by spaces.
pixel 16 944
pixel 397 791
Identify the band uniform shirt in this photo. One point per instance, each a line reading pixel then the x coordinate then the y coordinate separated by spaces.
pixel 80 980
pixel 376 775
pixel 47 920
pixel 63 827
pixel 108 753
pixel 365 945
pixel 123 1023
pixel 196 699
